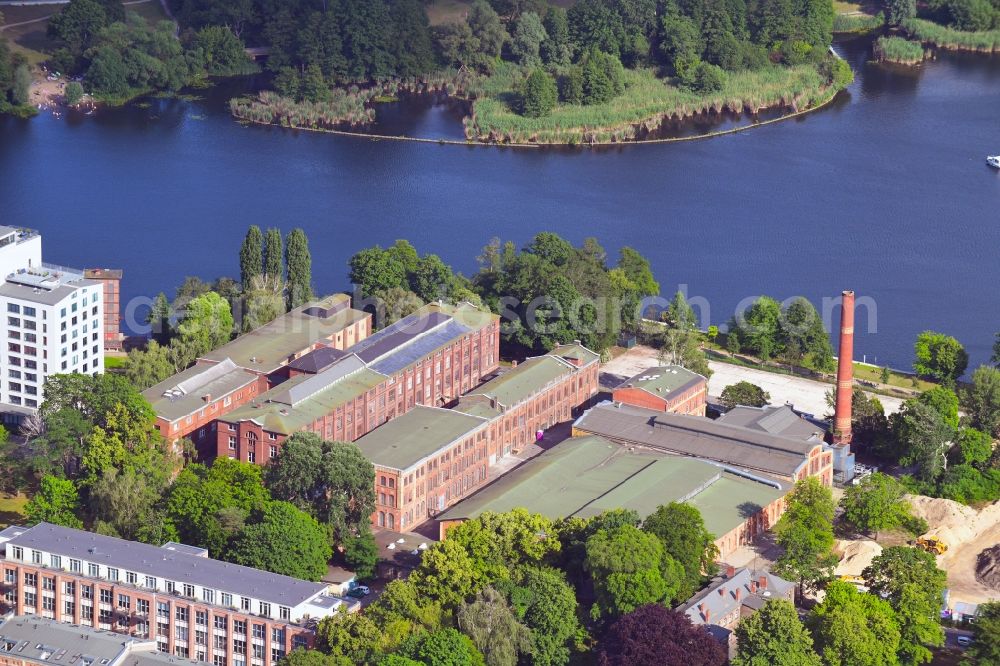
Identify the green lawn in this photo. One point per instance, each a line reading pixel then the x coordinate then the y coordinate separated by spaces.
pixel 874 374
pixel 114 362
pixel 647 99
pixel 12 510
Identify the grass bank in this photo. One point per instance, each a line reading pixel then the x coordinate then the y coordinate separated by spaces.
pixel 12 510
pixel 645 104
pixel 857 23
pixel 942 37
pixel 898 50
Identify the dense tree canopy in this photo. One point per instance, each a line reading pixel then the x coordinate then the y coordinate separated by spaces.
pixel 284 540
pixel 774 636
pixel 940 356
pixel 682 532
pixel 654 635
pixel 854 629
pixel 745 393
pixel 333 481
pixel 805 531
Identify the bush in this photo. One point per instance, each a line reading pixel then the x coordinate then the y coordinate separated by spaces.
pixel 708 78
pixel 796 52
pixel 837 72
pixel 970 15
pixel 571 86
pixel 73 94
pixel 539 95
pixel 744 393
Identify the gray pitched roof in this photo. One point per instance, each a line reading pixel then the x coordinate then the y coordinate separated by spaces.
pixel 781 420
pixel 168 564
pixel 46 641
pixel 725 594
pixel 697 436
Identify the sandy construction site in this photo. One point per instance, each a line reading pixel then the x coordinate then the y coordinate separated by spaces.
pixel 967 532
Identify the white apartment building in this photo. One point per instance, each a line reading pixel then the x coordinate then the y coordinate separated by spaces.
pixel 54 322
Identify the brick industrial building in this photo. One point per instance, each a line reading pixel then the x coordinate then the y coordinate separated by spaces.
pixel 533 396
pixel 187 403
pixel 668 388
pixel 430 458
pixel 193 607
pixel 428 358
pixel 586 476
pixel 781 457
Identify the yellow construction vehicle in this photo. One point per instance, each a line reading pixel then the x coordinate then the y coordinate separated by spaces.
pixel 932 544
pixel 857 581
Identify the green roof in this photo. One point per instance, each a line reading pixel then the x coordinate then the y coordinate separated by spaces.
pixel 480 409
pixel 588 475
pixel 576 350
pixel 421 432
pixel 527 379
pixel 267 348
pixel 663 380
pixel 282 418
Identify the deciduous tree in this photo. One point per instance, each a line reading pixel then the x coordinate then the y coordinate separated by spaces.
pixel 854 629
pixel 940 356
pixel 495 631
pixel 56 502
pixel 282 539
pixel 876 503
pixel 654 635
pixel 774 636
pixel 911 582
pixel 681 530
pixel 805 531
pixel 745 393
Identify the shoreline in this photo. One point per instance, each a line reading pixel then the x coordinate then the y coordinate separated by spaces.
pixel 591 144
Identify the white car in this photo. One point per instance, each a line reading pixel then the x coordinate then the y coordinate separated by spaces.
pixel 964 641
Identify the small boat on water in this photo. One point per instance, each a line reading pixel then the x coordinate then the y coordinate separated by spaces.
pixel 993 161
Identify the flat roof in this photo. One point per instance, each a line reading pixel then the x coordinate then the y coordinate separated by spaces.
pixel 697 436
pixel 44 640
pixel 663 380
pixel 103 273
pixel 43 296
pixel 168 564
pixel 276 343
pixel 528 378
pixel 586 476
pixel 407 439
pixel 184 393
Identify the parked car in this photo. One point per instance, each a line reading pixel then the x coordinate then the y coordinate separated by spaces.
pixel 359 592
pixel 964 641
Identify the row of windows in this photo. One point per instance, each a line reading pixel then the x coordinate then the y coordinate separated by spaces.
pixel 208 595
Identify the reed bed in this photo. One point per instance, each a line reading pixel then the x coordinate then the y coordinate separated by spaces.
pixel 857 23
pixel 645 104
pixel 344 107
pixel 942 37
pixel 898 50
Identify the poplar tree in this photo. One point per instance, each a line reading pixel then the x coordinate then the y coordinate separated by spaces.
pixel 251 256
pixel 299 264
pixel 272 254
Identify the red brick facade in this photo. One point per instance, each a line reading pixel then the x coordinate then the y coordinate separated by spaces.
pixel 111 279
pixel 691 401
pixel 197 425
pixel 218 635
pixel 515 428
pixel 408 499
pixel 433 380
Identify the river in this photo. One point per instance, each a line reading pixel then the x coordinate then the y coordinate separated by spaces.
pixel 884 191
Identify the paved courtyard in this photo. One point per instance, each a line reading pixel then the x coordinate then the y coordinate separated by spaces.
pixel 805 395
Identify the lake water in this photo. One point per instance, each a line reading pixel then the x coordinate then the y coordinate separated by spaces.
pixel 885 191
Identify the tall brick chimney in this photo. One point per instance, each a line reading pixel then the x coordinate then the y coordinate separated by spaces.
pixel 845 373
